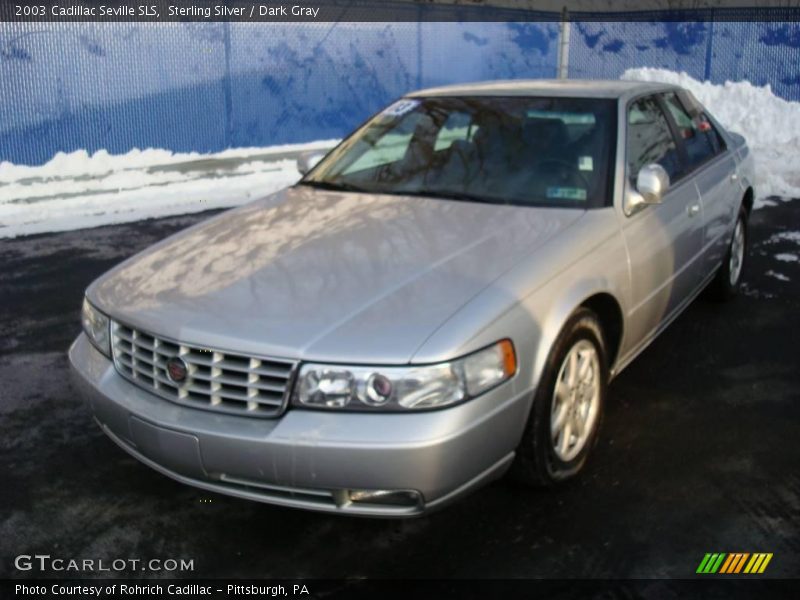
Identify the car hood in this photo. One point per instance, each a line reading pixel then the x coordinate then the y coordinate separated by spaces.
pixel 324 275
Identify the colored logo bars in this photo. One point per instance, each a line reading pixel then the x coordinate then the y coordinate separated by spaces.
pixel 736 562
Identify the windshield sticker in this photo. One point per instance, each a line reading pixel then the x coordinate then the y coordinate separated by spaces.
pixel 566 193
pixel 401 107
pixel 585 163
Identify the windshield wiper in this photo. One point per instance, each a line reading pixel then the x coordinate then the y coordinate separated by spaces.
pixel 329 185
pixel 444 194
pixel 447 195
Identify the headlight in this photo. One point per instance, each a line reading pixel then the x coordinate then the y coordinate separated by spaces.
pixel 405 388
pixel 96 327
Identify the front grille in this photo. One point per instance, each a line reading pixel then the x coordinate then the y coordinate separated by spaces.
pixel 216 380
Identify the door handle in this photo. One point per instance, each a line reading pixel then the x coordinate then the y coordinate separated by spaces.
pixel 693 209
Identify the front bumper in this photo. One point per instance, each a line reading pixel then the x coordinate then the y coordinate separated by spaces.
pixel 309 459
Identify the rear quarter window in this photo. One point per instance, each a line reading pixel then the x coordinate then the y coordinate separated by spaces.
pixel 699 136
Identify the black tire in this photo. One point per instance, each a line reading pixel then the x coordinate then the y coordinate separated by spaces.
pixel 722 288
pixel 536 463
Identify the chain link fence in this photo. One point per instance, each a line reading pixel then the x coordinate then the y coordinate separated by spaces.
pixel 208 86
pixel 760 52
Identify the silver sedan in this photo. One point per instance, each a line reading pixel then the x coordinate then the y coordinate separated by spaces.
pixel 442 299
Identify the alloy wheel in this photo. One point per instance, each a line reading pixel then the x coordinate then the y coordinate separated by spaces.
pixel 576 400
pixel 737 253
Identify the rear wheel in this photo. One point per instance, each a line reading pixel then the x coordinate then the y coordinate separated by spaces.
pixel 567 408
pixel 729 276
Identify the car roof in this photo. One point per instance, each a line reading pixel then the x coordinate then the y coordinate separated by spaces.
pixel 578 88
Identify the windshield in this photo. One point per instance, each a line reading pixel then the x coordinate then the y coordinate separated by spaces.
pixel 509 150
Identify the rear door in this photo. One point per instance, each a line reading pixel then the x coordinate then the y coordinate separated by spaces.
pixel 713 169
pixel 664 241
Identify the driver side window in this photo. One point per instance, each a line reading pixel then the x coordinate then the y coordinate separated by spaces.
pixel 650 139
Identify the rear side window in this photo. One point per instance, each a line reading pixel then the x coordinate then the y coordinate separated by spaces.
pixel 650 139
pixel 706 126
pixel 700 138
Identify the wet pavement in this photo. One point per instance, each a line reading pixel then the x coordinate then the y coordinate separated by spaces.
pixel 699 452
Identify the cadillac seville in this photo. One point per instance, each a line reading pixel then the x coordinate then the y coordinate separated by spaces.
pixel 441 299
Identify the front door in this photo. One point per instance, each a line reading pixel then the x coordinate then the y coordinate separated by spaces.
pixel 664 241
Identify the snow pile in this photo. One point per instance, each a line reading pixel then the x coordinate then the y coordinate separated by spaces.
pixel 771 125
pixel 778 276
pixel 784 257
pixel 789 236
pixel 80 163
pixel 78 190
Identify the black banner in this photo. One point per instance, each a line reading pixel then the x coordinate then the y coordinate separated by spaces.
pixel 269 11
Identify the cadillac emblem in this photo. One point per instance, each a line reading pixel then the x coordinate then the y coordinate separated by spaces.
pixel 177 369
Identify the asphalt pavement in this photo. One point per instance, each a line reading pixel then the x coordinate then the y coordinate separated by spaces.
pixel 699 451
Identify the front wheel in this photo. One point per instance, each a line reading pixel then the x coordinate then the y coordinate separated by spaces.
pixel 567 408
pixel 729 276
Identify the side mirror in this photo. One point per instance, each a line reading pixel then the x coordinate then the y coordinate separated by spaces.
pixel 652 183
pixel 307 160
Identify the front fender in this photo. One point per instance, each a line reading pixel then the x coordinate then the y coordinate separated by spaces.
pixel 532 302
pixel 560 309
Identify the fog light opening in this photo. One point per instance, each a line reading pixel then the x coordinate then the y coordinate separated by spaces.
pixel 399 498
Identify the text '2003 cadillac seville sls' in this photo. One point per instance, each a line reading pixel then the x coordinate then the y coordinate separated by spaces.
pixel 441 299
